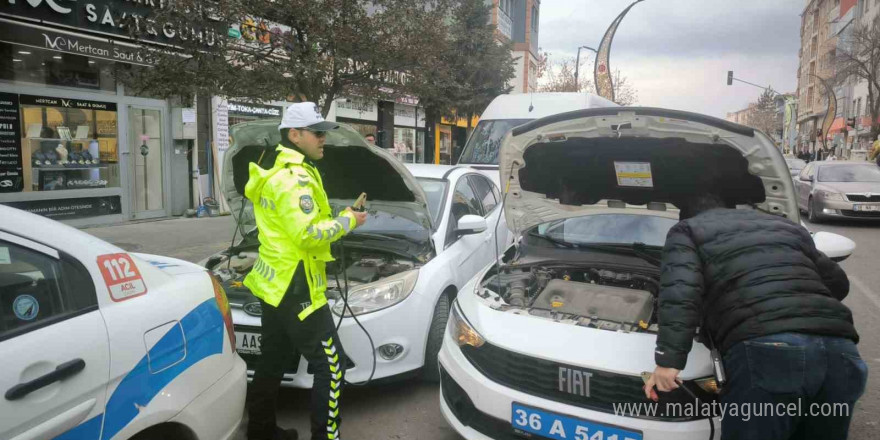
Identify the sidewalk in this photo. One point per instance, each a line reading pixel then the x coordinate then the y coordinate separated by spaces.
pixel 190 239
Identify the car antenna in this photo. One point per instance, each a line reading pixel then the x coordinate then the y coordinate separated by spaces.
pixel 531 101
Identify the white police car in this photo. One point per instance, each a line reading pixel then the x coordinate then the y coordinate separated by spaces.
pixel 98 343
pixel 553 344
pixel 430 228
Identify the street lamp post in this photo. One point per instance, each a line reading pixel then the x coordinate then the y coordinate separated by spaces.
pixel 577 64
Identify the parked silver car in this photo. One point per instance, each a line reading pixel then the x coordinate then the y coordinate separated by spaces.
pixel 795 166
pixel 838 189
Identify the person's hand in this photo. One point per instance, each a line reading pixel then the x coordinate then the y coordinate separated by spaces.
pixel 360 217
pixel 666 380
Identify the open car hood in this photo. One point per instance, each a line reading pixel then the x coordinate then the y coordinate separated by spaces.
pixel 349 167
pixel 599 159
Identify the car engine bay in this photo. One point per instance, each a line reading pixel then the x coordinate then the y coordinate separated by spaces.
pixel 586 296
pixel 362 267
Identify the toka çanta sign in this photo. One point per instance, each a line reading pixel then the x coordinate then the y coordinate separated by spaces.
pixel 115 17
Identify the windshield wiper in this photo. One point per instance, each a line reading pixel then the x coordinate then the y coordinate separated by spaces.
pixel 637 249
pixel 555 241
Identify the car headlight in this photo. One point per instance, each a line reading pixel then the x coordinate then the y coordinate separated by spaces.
pixel 462 331
pixel 379 295
pixel 828 195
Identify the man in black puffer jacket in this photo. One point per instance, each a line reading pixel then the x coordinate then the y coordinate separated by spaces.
pixel 771 302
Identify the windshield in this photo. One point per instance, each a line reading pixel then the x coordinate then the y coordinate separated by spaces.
pixel 383 223
pixel 485 142
pixel 434 190
pixel 796 164
pixel 610 229
pixel 850 173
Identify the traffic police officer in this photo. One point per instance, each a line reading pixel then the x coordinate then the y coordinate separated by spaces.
pixel 296 227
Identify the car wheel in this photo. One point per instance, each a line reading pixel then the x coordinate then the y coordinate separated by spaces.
pixel 431 370
pixel 812 215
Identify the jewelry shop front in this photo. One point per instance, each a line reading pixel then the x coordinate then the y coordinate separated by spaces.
pixel 75 146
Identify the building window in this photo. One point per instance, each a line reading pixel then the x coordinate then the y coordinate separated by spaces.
pixel 534 19
pixel 859 108
pixel 506 6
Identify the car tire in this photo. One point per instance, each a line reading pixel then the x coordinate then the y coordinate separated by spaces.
pixel 812 215
pixel 431 370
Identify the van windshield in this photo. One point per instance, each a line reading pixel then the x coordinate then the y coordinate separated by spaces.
pixel 485 142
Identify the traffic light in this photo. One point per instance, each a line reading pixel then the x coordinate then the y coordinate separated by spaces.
pixel 851 122
pixel 729 77
pixel 819 133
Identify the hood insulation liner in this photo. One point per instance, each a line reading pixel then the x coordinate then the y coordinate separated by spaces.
pixel 346 172
pixel 585 168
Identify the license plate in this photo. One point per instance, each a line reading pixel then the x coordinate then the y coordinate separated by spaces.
pixel 247 343
pixel 866 208
pixel 530 421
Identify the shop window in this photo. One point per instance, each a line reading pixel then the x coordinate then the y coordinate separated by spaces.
pixel 445 156
pixel 363 129
pixel 68 144
pixel 409 145
pixel 44 67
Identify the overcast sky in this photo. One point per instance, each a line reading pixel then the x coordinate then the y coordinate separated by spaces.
pixel 677 52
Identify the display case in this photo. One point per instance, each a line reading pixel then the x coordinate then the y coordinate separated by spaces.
pixel 66 149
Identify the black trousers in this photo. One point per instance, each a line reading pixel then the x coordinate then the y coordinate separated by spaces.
pixel 285 337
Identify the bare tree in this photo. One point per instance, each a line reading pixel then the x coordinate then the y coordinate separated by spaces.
pixel 763 115
pixel 557 75
pixel 858 59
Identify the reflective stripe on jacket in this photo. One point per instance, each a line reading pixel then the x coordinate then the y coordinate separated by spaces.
pixel 296 224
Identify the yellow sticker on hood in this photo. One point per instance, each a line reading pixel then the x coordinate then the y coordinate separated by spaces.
pixel 634 174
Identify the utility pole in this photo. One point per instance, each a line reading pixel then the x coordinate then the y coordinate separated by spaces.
pixel 577 64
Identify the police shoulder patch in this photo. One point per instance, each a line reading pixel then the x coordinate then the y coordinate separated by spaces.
pixel 306 203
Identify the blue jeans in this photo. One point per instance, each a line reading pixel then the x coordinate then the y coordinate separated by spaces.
pixel 791 386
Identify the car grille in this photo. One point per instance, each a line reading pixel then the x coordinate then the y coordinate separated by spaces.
pixel 861 214
pixel 540 377
pixel 863 198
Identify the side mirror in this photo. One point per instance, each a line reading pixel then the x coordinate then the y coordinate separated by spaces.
pixel 471 224
pixel 836 247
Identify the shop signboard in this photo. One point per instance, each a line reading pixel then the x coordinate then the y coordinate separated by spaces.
pixel 357 108
pixel 248 109
pixel 44 38
pixel 68 209
pixel 10 144
pixel 80 104
pixel 112 17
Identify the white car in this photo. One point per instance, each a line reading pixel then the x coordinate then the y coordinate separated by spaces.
pixel 430 229
pixel 508 111
pixel 98 343
pixel 553 343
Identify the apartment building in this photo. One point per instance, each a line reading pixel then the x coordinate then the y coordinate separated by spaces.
pixel 818 49
pixel 517 21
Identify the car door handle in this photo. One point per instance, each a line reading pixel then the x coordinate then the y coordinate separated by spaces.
pixel 61 372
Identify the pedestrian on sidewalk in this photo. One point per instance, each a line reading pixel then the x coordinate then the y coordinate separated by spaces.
pixel 770 302
pixel 296 228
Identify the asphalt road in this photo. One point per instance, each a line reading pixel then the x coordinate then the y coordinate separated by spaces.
pixel 863 269
pixel 410 409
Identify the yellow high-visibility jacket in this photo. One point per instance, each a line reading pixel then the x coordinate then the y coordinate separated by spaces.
pixel 295 225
